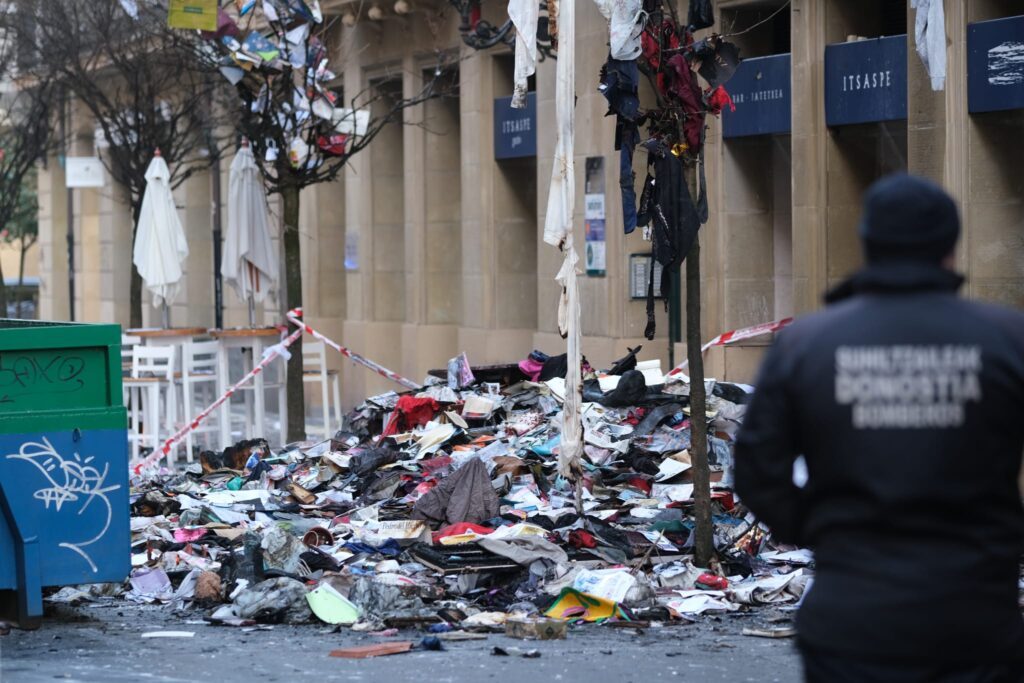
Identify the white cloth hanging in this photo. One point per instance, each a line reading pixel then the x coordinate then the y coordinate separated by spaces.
pixel 930 36
pixel 625 24
pixel 524 15
pixel 160 245
pixel 558 231
pixel 250 260
pixel 562 193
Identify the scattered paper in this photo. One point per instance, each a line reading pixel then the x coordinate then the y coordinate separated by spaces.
pixel 610 584
pixel 670 467
pixel 700 601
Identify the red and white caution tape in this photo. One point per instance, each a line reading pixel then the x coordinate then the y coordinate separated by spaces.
pixel 379 369
pixel 734 336
pixel 269 355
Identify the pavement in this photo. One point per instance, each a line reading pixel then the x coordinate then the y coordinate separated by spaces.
pixel 103 643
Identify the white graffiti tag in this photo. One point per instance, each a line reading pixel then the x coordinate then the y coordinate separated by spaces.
pixel 70 481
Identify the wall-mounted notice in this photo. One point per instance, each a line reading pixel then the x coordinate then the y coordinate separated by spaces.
pixel 594 218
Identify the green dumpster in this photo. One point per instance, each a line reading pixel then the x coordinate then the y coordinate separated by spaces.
pixel 64 516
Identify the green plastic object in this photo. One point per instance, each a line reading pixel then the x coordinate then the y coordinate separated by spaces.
pixel 48 368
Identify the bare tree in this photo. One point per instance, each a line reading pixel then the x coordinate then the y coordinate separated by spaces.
pixel 147 86
pixel 298 123
pixel 22 232
pixel 671 62
pixel 26 112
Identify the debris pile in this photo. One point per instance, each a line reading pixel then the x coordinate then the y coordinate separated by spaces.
pixel 443 508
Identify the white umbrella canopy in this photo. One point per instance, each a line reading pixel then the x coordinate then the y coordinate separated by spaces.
pixel 160 245
pixel 250 260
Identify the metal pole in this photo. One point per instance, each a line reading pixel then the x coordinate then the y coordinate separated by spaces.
pixel 71 254
pixel 218 279
pixel 675 319
pixel 65 116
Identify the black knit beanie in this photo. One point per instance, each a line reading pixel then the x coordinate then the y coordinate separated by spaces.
pixel 908 218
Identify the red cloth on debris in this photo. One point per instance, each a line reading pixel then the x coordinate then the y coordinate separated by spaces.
pixel 531 368
pixel 578 538
pixel 411 412
pixel 459 529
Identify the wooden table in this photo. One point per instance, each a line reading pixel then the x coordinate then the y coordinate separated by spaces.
pixel 171 336
pixel 252 342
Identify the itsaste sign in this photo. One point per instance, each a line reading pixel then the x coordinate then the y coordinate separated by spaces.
pixel 515 130
pixel 866 81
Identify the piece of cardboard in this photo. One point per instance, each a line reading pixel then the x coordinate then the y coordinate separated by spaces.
pixel 378 650
pixel 536 629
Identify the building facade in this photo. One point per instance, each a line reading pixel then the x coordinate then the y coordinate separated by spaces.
pixel 431 242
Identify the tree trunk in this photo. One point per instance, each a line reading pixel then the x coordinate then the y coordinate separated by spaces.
pixel 704 548
pixel 25 246
pixel 3 295
pixel 135 294
pixel 293 287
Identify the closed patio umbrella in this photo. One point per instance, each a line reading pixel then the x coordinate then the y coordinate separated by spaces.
pixel 250 259
pixel 160 245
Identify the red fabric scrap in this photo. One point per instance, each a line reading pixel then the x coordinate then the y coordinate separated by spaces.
pixel 578 538
pixel 459 529
pixel 711 582
pixel 683 86
pixel 531 368
pixel 640 483
pixel 411 412
pixel 719 99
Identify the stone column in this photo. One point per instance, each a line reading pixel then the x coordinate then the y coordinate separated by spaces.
pixel 808 145
pixel 53 260
pixel 476 112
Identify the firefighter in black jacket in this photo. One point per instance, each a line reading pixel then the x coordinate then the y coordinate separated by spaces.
pixel 907 404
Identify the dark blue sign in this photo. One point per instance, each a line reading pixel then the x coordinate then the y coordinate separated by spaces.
pixel 515 130
pixel 760 90
pixel 866 81
pixel 995 65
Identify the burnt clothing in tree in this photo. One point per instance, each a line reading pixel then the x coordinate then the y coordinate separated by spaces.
pixel 682 86
pixel 667 206
pixel 620 81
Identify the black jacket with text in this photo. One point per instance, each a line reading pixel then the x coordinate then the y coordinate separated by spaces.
pixel 907 403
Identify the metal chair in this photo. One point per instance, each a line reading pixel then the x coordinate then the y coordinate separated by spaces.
pixel 199 371
pixel 128 342
pixel 152 372
pixel 314 369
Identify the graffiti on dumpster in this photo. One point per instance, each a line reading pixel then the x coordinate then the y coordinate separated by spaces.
pixel 69 482
pixel 27 374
